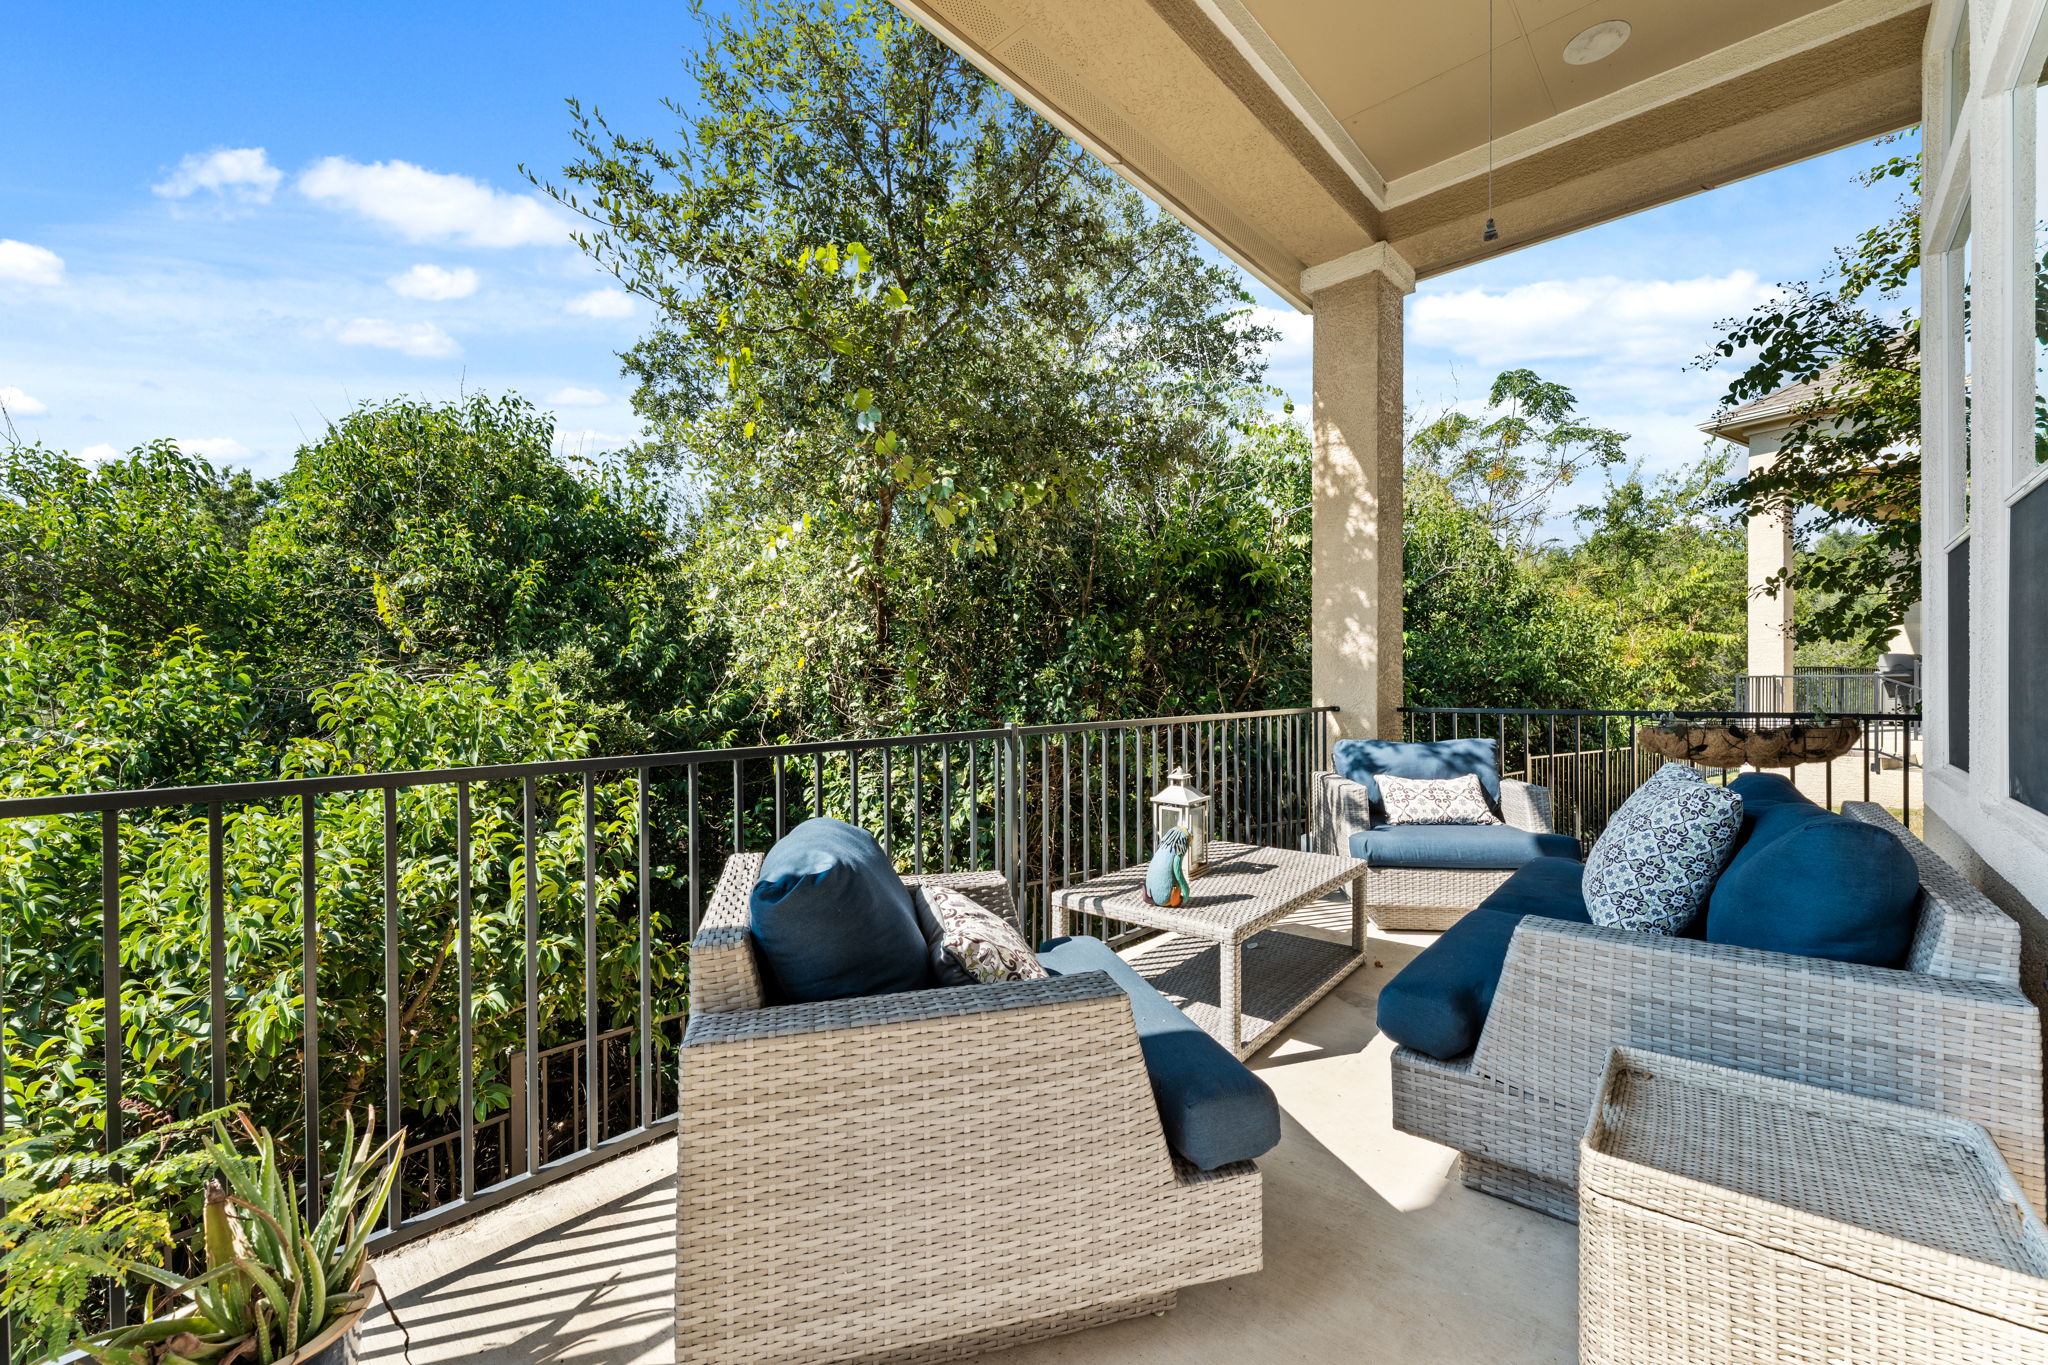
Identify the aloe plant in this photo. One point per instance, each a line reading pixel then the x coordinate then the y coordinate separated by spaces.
pixel 271 1282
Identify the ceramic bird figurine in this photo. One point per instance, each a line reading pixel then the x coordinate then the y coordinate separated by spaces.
pixel 1166 877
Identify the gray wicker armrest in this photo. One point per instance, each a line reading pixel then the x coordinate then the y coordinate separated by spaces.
pixel 1571 993
pixel 1339 808
pixel 933 1007
pixel 1525 805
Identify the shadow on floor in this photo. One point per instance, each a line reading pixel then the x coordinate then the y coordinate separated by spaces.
pixel 597 1290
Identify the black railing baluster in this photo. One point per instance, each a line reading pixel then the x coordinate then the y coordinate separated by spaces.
pixel 646 839
pixel 465 989
pixel 530 1115
pixel 110 1014
pixel 781 822
pixel 974 809
pixel 690 835
pixel 394 1047
pixel 739 806
pixel 309 986
pixel 917 809
pixel 593 1131
pixel 217 961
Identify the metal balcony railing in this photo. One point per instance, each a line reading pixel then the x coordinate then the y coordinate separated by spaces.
pixel 546 905
pixel 1590 761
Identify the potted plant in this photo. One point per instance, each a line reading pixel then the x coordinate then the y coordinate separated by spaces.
pixel 271 1288
pixel 1723 744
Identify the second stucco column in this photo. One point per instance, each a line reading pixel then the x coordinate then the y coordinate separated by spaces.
pixel 1355 647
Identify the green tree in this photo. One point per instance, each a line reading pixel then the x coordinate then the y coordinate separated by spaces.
pixel 1851 461
pixel 1662 558
pixel 1510 462
pixel 911 345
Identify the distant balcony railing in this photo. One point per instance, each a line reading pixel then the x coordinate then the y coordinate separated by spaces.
pixel 1834 693
pixel 1591 763
pixel 498 956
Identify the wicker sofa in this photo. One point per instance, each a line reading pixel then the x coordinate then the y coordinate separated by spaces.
pixel 1423 900
pixel 1950 1031
pixel 926 1175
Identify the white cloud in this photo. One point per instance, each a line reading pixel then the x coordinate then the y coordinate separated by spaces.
pixel 574 397
pixel 22 263
pixel 413 338
pixel 427 206
pixel 1602 316
pixel 433 282
pixel 99 454
pixel 602 303
pixel 241 174
pixel 20 404
pixel 210 447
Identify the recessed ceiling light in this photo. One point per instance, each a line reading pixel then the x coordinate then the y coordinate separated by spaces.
pixel 1599 41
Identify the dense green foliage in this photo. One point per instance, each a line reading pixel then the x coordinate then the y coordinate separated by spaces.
pixel 1849 467
pixel 965 418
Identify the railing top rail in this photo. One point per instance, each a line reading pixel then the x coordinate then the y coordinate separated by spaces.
pixel 1890 717
pixel 147 798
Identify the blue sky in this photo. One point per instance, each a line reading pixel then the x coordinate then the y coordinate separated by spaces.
pixel 230 227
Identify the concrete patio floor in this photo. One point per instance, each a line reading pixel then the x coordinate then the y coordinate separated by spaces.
pixel 1374 1251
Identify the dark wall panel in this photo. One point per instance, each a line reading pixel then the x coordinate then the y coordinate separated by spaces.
pixel 1959 655
pixel 2027 717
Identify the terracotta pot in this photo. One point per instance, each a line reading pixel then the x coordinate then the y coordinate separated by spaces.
pixel 1736 746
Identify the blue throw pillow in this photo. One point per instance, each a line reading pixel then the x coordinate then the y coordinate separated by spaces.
pixel 1652 867
pixel 1826 886
pixel 831 919
pixel 1362 760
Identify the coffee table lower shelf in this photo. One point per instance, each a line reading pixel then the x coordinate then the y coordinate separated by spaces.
pixel 1283 974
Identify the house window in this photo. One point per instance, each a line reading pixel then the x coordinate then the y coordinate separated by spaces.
pixel 2027 705
pixel 1958 646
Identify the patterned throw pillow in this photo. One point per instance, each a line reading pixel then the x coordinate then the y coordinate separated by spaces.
pixel 979 939
pixel 1435 801
pixel 1652 867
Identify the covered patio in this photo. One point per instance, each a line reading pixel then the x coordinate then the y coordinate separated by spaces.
pixel 1374 1249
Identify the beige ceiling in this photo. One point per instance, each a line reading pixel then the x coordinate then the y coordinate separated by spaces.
pixel 1407 79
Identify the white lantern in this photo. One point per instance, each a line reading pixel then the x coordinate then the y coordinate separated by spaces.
pixel 1180 805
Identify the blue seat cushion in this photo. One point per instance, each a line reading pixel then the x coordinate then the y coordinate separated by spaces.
pixel 1438 1003
pixel 1818 885
pixel 1362 760
pixel 1477 847
pixel 1212 1108
pixel 831 919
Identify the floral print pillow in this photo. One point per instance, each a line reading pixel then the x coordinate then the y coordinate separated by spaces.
pixel 985 943
pixel 1435 800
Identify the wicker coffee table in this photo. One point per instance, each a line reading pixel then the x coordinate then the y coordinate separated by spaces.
pixel 1228 968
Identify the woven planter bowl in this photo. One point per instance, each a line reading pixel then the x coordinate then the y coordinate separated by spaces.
pixel 1736 746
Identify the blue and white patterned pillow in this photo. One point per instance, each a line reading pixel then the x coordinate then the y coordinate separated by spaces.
pixel 1652 867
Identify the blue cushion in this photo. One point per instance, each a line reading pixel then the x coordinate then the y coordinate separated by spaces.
pixel 831 919
pixel 1496 847
pixel 1765 789
pixel 1438 1003
pixel 1212 1108
pixel 1362 759
pixel 1821 886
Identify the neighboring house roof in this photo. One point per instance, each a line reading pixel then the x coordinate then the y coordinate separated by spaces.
pixel 1771 410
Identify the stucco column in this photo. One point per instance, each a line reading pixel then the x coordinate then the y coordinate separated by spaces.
pixel 1355 650
pixel 1771 640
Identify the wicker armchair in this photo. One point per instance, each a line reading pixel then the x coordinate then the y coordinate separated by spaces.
pixel 1422 900
pixel 1951 1031
pixel 925 1176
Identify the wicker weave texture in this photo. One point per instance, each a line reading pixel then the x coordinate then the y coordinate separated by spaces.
pixel 1245 889
pixel 897 1177
pixel 1734 1217
pixel 1571 993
